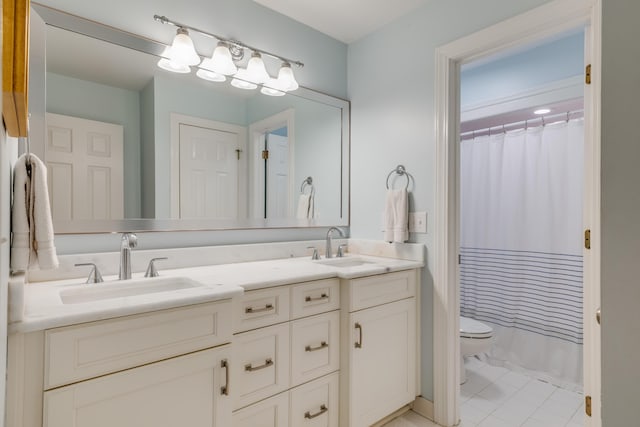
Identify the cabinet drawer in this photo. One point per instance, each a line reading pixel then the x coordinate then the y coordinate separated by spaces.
pixel 264 307
pixel 315 347
pixel 260 364
pixel 315 404
pixel 183 391
pixel 381 289
pixel 89 350
pixel 271 412
pixel 312 298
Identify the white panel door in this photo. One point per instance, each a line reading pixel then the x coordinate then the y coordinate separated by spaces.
pixel 208 173
pixel 277 176
pixel 183 391
pixel 85 172
pixel 382 361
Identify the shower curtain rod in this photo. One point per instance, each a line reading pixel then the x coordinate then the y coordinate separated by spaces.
pixel 543 121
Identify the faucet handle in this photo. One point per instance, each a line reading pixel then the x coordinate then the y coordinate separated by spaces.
pixel 341 247
pixel 94 274
pixel 315 255
pixel 131 239
pixel 152 271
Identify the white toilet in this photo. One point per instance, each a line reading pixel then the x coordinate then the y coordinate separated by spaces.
pixel 475 338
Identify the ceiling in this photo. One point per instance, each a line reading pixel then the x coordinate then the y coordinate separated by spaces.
pixel 344 20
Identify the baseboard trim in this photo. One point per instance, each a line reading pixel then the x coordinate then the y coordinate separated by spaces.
pixel 394 415
pixel 423 407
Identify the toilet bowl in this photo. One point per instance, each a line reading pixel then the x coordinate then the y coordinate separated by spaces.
pixel 475 338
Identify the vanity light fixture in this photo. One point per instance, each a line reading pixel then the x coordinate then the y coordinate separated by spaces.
pixel 223 62
pixel 256 71
pixel 212 76
pixel 182 52
pixel 241 81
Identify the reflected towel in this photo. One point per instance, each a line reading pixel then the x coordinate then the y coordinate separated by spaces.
pixel 305 207
pixel 396 213
pixel 32 242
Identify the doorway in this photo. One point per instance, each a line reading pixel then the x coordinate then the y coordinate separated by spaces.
pixel 548 20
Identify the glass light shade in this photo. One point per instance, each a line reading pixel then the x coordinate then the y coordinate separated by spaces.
pixel 165 64
pixel 272 88
pixel 182 51
pixel 241 81
pixel 256 71
pixel 210 75
pixel 221 61
pixel 286 79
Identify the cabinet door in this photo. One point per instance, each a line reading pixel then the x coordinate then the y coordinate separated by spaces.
pixel 186 390
pixel 382 361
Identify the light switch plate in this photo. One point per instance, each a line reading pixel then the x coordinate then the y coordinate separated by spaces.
pixel 417 222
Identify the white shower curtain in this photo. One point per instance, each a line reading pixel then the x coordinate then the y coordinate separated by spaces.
pixel 521 252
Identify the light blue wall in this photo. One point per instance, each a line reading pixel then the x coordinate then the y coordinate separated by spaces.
pixel 93 101
pixel 517 73
pixel 392 112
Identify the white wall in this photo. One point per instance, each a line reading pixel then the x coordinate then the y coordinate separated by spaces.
pixel 620 291
pixel 392 120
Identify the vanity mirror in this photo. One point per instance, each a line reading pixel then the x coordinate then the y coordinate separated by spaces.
pixel 166 151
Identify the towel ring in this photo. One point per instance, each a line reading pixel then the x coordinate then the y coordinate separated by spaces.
pixel 308 181
pixel 399 170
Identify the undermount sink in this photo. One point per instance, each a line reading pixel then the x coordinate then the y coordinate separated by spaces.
pixel 344 262
pixel 125 288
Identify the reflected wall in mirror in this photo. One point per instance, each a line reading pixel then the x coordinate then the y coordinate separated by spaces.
pixel 127 140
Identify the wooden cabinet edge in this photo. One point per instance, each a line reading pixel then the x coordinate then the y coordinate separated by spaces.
pixel 15 66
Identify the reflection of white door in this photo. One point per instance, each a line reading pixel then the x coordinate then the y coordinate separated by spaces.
pixel 277 187
pixel 84 164
pixel 208 173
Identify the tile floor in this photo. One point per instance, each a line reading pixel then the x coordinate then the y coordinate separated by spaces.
pixel 497 397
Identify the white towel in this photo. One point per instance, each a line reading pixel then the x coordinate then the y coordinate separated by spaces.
pixel 305 206
pixel 32 243
pixel 396 213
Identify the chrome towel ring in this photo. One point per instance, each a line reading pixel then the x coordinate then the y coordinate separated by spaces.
pixel 308 181
pixel 400 170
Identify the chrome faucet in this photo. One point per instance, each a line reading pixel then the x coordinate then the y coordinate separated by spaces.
pixel 328 251
pixel 129 241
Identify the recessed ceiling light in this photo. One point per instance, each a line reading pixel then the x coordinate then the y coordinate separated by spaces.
pixel 542 111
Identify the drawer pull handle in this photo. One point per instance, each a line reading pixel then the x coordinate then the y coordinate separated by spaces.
pixel 266 364
pixel 267 307
pixel 322 345
pixel 320 298
pixel 359 342
pixel 323 409
pixel 225 388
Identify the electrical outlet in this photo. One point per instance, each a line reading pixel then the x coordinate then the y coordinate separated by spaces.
pixel 417 222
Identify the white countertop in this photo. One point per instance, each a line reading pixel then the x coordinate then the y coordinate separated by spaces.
pixel 44 309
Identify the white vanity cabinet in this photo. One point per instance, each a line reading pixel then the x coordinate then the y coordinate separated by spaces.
pixel 379 340
pixel 164 368
pixel 286 354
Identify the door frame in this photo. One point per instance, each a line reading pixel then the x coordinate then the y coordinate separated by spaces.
pixel 547 20
pixel 256 175
pixel 180 119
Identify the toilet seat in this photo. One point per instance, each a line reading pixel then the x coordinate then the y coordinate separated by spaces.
pixel 470 328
